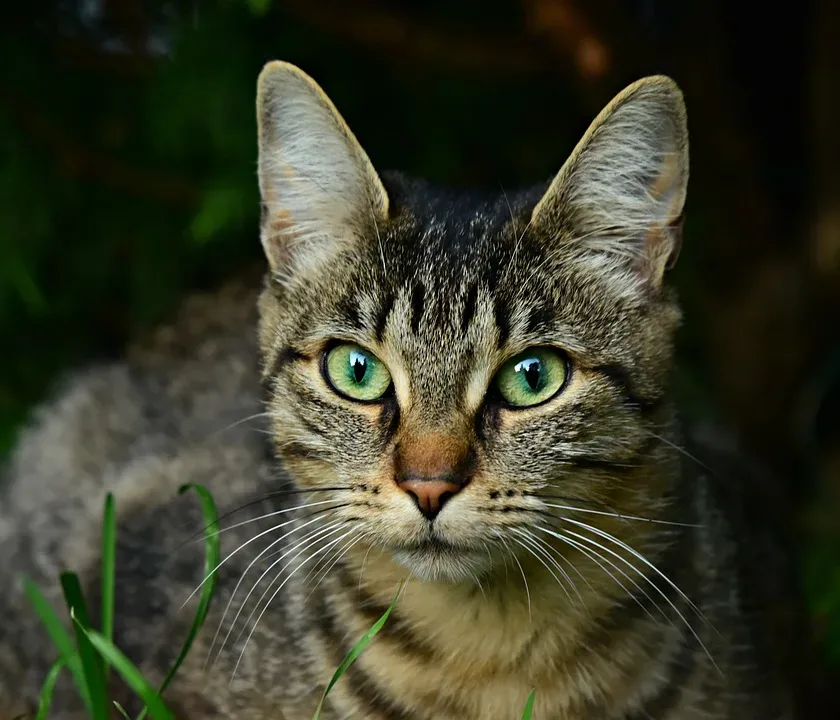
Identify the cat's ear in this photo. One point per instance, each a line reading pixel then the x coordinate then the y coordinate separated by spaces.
pixel 319 190
pixel 621 192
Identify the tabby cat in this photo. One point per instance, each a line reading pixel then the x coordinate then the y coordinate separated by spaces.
pixel 468 397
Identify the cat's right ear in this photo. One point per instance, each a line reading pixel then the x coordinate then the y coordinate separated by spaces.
pixel 319 191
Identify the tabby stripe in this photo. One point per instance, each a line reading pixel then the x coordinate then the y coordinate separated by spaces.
pixel 502 321
pixel 283 358
pixel 469 308
pixel 382 316
pixel 306 422
pixel 540 317
pixel 418 304
pixel 395 629
pixel 619 377
pixel 358 682
pixel 389 419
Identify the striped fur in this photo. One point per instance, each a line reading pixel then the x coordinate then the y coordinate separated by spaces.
pixel 589 555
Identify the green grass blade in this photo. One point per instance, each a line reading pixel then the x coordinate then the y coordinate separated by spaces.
pixel 60 638
pixel 212 557
pixel 529 706
pixel 121 710
pixel 109 551
pixel 355 651
pixel 47 688
pixel 92 665
pixel 129 672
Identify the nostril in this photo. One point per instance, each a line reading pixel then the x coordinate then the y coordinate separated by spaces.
pixel 445 497
pixel 429 495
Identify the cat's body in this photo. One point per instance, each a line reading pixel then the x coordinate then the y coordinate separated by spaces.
pixel 569 545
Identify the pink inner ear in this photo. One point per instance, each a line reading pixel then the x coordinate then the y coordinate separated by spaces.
pixel 668 178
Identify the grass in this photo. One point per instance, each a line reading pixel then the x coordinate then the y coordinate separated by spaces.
pixel 89 653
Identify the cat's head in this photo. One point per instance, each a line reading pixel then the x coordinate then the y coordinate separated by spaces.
pixel 449 373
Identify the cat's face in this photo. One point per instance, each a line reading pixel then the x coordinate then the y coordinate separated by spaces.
pixel 449 372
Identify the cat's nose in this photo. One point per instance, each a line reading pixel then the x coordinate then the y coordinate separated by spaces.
pixel 430 494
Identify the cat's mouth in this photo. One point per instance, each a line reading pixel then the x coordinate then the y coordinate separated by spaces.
pixel 436 559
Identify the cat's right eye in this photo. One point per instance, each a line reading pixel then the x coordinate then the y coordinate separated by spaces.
pixel 532 377
pixel 356 373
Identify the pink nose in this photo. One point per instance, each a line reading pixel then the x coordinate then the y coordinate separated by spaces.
pixel 430 495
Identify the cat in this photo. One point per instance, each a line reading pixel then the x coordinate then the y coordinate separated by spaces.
pixel 463 399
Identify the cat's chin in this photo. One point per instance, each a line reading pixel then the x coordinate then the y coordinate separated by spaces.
pixel 438 562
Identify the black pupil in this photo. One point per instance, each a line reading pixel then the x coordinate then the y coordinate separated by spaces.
pixel 359 363
pixel 532 368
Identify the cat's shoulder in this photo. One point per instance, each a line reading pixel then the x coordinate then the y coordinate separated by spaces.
pixel 171 411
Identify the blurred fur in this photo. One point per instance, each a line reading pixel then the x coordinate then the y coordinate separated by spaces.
pixel 591 555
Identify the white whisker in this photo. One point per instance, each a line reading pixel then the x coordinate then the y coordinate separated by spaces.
pixel 530 550
pixel 618 515
pixel 306 542
pixel 597 557
pixel 257 536
pixel 538 545
pixel 279 588
pixel 247 570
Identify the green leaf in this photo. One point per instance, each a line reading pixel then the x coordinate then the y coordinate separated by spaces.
pixel 212 556
pixel 121 710
pixel 60 638
pixel 92 665
pixel 108 570
pixel 357 650
pixel 529 706
pixel 48 687
pixel 129 672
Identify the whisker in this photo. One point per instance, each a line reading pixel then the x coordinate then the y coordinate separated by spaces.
pixel 524 579
pixel 537 545
pixel 618 515
pixel 337 557
pixel 596 557
pixel 238 422
pixel 680 450
pixel 640 557
pixel 551 549
pixel 251 503
pixel 258 535
pixel 691 604
pixel 530 550
pixel 279 588
pixel 303 543
pixel 362 568
pixel 247 570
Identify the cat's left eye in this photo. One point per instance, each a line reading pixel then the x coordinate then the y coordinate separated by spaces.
pixel 356 373
pixel 532 377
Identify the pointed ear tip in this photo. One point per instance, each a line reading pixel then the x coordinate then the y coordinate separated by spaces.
pixel 275 72
pixel 661 88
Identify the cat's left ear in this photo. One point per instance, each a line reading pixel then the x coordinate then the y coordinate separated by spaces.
pixel 319 190
pixel 620 195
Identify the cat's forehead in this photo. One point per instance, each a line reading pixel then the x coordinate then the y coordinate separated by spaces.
pixel 450 238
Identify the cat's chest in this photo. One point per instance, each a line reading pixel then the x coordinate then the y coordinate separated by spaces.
pixel 483 672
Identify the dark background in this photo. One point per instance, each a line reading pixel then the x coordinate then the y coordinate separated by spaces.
pixel 128 176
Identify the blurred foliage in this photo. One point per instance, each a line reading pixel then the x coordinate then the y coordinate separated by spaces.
pixel 127 134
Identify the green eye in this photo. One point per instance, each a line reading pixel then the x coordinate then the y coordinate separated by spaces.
pixel 532 377
pixel 356 373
